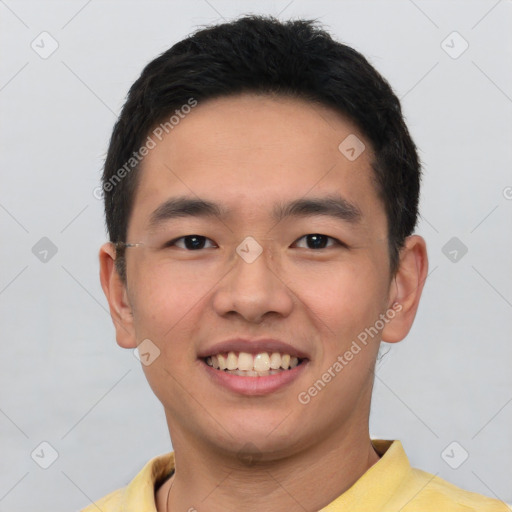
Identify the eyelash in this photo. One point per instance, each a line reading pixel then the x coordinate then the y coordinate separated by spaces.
pixel 172 243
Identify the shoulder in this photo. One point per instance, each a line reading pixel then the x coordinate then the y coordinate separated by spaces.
pixel 438 495
pixel 139 494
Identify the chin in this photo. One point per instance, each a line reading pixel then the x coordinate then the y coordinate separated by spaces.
pixel 255 434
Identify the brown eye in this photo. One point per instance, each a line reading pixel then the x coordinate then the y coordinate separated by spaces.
pixel 319 241
pixel 189 242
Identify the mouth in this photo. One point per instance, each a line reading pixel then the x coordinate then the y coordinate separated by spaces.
pixel 244 364
pixel 253 367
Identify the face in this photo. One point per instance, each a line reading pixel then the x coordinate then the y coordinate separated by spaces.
pixel 306 283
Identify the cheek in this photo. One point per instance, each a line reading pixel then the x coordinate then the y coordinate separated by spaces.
pixel 345 300
pixel 164 311
pixel 165 292
pixel 165 305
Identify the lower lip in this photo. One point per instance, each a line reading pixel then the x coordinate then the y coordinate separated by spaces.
pixel 254 385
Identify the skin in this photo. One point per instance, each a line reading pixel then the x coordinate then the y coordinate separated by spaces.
pixel 249 152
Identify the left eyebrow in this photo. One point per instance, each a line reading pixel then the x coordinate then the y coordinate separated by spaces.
pixel 330 206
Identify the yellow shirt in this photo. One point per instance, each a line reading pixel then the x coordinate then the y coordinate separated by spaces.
pixel 390 485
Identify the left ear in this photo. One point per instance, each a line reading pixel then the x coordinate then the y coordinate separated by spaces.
pixel 406 288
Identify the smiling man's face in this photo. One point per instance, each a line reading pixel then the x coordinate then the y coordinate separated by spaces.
pixel 252 156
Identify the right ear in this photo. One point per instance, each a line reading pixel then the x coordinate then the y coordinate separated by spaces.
pixel 117 297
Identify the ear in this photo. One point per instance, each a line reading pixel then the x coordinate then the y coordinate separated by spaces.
pixel 406 287
pixel 117 296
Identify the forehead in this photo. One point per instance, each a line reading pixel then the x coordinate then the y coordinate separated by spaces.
pixel 250 152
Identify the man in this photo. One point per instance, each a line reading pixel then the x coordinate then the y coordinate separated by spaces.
pixel 261 193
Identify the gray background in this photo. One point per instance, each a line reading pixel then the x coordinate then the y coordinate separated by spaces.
pixel 64 380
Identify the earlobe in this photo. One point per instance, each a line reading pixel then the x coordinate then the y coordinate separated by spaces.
pixel 117 297
pixel 406 288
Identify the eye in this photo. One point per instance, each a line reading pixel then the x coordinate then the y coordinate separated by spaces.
pixel 190 242
pixel 319 241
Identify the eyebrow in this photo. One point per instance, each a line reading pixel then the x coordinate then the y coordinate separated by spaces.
pixel 184 206
pixel 336 207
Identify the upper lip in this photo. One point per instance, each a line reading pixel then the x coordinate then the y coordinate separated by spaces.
pixel 252 347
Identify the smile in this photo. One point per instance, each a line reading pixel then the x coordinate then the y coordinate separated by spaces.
pixel 244 364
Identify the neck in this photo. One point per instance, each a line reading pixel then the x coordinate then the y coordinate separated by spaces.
pixel 309 480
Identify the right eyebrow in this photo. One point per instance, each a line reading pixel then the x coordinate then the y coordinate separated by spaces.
pixel 183 206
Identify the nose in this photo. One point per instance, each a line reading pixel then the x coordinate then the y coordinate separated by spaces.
pixel 254 290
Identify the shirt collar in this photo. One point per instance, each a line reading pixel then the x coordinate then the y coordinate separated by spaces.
pixel 379 483
pixel 375 487
pixel 139 495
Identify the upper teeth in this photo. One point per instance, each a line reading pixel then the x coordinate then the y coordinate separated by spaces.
pixel 261 362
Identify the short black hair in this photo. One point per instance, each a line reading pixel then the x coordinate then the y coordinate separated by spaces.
pixel 263 55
